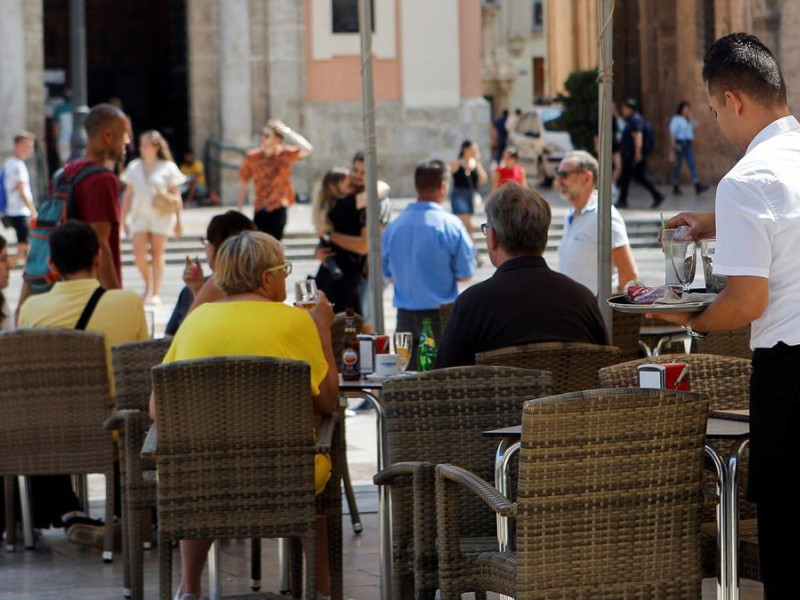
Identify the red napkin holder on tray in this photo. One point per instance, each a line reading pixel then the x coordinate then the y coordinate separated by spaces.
pixel 665 376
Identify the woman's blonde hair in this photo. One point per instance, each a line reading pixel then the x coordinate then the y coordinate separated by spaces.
pixel 158 140
pixel 326 197
pixel 242 259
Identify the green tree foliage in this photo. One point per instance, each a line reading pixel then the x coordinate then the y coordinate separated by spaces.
pixel 580 109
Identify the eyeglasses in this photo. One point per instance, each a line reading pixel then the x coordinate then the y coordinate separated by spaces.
pixel 485 228
pixel 564 174
pixel 285 267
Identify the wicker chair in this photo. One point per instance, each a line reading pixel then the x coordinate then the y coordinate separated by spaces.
pixel 132 363
pixel 573 366
pixel 726 381
pixel 625 331
pixel 55 395
pixel 235 458
pixel 608 507
pixel 438 417
pixel 727 343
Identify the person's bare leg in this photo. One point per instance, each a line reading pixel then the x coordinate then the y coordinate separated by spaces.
pixel 158 244
pixel 467 220
pixel 323 561
pixel 140 257
pixel 193 559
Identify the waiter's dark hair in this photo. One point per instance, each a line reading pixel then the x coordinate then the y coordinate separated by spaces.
pixel 741 62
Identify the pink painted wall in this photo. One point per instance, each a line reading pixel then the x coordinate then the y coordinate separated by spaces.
pixel 470 51
pixel 339 79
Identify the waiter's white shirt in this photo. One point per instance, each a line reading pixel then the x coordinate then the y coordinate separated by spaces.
pixel 758 227
pixel 577 252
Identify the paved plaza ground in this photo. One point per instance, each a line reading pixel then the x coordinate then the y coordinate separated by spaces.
pixel 59 570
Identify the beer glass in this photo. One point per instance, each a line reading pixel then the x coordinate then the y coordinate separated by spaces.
pixel 305 294
pixel 714 283
pixel 402 347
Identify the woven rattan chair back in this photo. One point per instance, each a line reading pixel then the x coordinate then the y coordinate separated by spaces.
pixel 132 364
pixel 724 379
pixel 55 395
pixel 573 366
pixel 610 495
pixel 436 417
pixel 337 332
pixel 235 453
pixel 727 343
pixel 626 328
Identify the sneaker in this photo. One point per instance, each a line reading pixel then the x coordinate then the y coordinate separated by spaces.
pixel 699 188
pixel 85 531
pixel 178 596
pixel 676 189
pixel 153 301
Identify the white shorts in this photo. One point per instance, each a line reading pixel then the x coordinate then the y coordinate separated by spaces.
pixel 152 222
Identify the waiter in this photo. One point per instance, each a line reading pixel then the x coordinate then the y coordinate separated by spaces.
pixel 757 226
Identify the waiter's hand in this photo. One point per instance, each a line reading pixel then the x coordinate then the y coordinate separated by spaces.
pixel 701 225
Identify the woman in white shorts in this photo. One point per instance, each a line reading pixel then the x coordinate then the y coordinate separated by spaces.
pixel 152 208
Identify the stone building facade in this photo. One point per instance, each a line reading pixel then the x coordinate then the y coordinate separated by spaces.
pixel 248 60
pixel 658 52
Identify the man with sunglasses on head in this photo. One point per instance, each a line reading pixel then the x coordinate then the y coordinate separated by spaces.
pixel 576 179
pixel 269 167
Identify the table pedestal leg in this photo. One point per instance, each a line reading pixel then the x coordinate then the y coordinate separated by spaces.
pixel 723 537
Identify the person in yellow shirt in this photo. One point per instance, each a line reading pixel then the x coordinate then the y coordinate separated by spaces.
pixel 195 187
pixel 119 315
pixel 252 320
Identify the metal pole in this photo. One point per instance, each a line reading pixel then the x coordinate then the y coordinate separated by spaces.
pixel 605 86
pixel 370 163
pixel 78 77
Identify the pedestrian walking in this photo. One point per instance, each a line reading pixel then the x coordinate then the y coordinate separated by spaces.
pixel 757 248
pixel 19 208
pixel 269 167
pixel 501 134
pixel 681 134
pixel 153 200
pixel 468 174
pixel 634 149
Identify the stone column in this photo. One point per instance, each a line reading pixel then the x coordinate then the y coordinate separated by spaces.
pixel 13 80
pixel 235 88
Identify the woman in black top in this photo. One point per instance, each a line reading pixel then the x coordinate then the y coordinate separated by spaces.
pixel 340 220
pixel 468 174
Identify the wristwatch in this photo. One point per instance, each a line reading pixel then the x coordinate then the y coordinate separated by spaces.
pixel 692 333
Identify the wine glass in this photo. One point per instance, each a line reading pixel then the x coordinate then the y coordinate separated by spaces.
pixel 305 294
pixel 684 262
pixel 402 347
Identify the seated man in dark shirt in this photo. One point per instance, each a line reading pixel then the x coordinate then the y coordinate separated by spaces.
pixel 524 301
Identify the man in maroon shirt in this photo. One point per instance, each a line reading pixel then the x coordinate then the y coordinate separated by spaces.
pixel 96 198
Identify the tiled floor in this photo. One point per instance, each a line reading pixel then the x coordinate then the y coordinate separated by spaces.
pixel 58 570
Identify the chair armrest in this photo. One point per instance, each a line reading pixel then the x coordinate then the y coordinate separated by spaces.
pixel 480 488
pixel 117 421
pixel 392 472
pixel 325 432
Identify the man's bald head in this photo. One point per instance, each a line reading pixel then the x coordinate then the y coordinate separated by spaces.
pixel 102 117
pixel 107 129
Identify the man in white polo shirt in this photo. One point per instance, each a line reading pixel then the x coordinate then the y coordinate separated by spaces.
pixel 757 226
pixel 576 178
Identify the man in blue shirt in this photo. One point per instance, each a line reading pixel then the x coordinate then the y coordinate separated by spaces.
pixel 426 252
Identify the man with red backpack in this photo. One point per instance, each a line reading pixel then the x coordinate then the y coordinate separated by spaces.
pixel 89 190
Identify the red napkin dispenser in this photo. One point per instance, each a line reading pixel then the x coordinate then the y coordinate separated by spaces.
pixel 665 376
